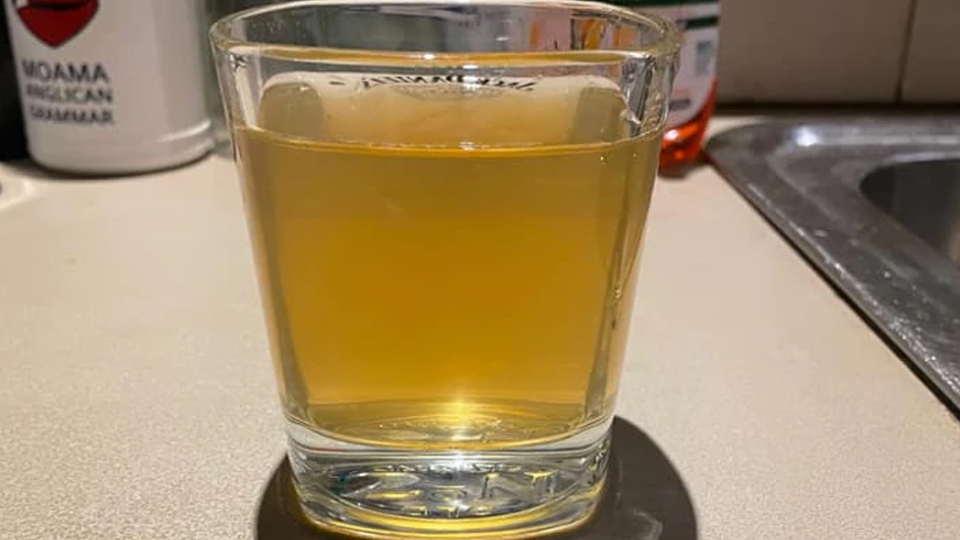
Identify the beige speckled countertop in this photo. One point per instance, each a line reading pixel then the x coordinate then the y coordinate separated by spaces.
pixel 137 401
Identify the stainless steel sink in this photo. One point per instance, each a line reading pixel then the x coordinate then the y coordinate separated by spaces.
pixel 875 205
pixel 924 196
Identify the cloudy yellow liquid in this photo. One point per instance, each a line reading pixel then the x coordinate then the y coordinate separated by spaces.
pixel 443 275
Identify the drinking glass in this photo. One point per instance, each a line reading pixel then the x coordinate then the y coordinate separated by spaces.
pixel 446 200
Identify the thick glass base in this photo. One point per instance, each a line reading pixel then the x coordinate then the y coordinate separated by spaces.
pixel 386 493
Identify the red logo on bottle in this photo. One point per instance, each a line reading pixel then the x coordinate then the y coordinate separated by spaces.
pixel 56 22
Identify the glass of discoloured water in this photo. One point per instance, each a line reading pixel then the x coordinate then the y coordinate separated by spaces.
pixel 447 201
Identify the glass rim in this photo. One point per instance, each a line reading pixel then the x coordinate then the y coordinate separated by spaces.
pixel 667 44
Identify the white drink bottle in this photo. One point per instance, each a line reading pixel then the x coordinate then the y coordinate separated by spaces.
pixel 110 86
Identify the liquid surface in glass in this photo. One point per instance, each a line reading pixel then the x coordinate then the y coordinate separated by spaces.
pixel 445 269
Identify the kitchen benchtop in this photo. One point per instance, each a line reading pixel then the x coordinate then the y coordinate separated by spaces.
pixel 137 400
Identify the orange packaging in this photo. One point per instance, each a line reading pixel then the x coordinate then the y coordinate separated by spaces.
pixel 695 90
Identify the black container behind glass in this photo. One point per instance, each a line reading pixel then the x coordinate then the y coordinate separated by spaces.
pixel 13 144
